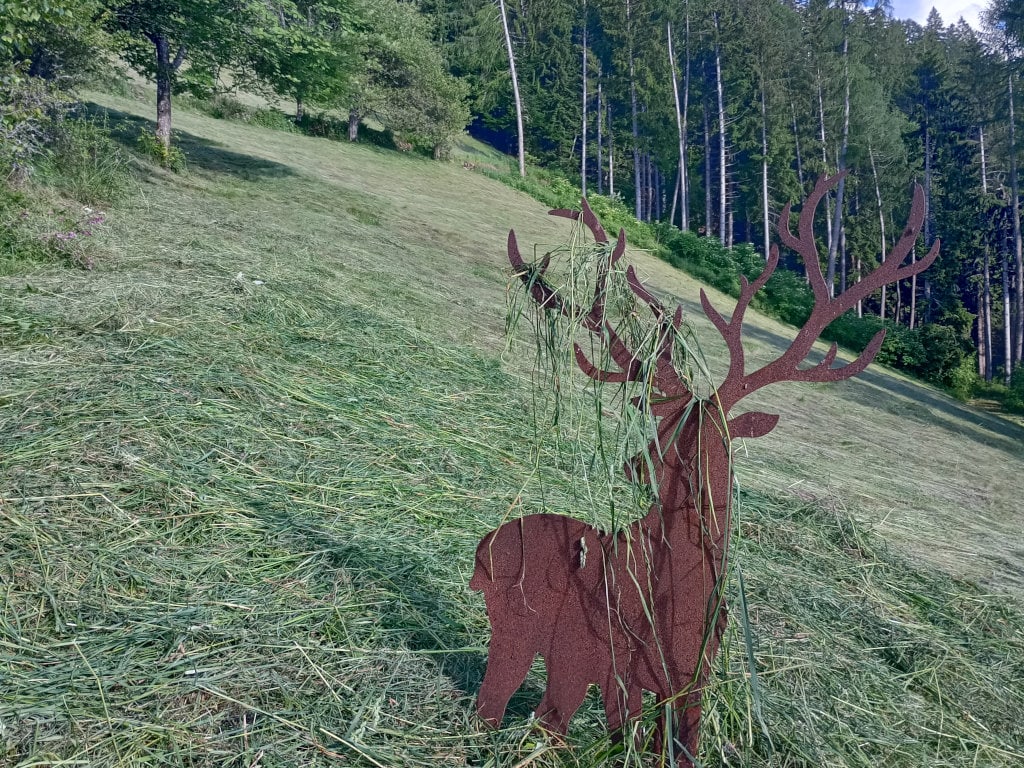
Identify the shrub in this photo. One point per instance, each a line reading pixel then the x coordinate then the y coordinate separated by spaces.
pixel 944 352
pixel 271 118
pixel 30 108
pixel 151 147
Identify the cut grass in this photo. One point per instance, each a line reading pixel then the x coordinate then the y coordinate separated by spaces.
pixel 244 465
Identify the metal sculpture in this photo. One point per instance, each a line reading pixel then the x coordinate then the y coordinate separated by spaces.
pixel 644 608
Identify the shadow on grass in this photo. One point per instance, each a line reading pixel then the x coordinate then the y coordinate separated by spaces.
pixel 424 617
pixel 199 152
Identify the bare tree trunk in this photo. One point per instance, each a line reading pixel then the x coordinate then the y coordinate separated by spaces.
pixel 684 179
pixel 679 123
pixel 1018 350
pixel 881 222
pixel 927 182
pixel 675 199
pixel 796 140
pixel 986 294
pixel 764 170
pixel 841 166
pixel 300 109
pixel 583 149
pixel 600 121
pixel 707 170
pixel 982 350
pixel 824 164
pixel 984 172
pixel 638 203
pixel 353 125
pixel 165 69
pixel 515 87
pixel 987 314
pixel 1007 334
pixel 721 137
pixel 913 291
pixel 611 154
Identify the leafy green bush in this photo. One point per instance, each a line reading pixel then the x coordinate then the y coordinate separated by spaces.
pixel 151 147
pixel 324 126
pixel 271 118
pixel 30 109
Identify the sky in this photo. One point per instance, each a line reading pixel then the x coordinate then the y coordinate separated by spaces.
pixel 950 10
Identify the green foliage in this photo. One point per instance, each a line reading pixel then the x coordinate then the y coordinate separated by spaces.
pixel 306 51
pixel 19 244
pixel 404 83
pixel 150 146
pixel 30 111
pixel 84 163
pixel 938 353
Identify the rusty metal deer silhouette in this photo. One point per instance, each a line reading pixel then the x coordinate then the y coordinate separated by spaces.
pixel 643 608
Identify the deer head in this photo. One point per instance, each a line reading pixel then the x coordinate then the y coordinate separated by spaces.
pixel 672 394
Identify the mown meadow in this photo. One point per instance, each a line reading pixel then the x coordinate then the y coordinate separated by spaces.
pixel 246 458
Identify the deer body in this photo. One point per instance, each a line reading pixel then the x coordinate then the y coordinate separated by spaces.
pixel 643 609
pixel 615 610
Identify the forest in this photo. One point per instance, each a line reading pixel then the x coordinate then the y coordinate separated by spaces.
pixel 703 119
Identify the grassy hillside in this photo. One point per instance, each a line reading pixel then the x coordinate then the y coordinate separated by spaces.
pixel 245 461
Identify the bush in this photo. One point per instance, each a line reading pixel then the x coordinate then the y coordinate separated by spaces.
pixel 30 108
pixel 151 147
pixel 274 119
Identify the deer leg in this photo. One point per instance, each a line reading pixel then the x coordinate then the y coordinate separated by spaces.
pixel 563 696
pixel 620 704
pixel 508 662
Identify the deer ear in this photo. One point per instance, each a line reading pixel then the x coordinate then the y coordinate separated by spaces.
pixel 752 424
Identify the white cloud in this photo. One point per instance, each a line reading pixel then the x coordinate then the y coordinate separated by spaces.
pixel 950 10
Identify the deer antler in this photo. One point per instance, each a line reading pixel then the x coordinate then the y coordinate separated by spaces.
pixel 593 317
pixel 827 308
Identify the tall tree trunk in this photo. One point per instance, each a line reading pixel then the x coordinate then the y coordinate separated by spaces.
pixel 1018 347
pixel 611 154
pixel 165 69
pixel 600 122
pixel 796 140
pixel 913 290
pixel 981 148
pixel 824 164
pixel 1007 332
pixel 987 314
pixel 679 123
pixel 583 149
pixel 986 293
pixel 353 125
pixel 841 166
pixel 721 136
pixel 300 109
pixel 707 170
pixel 515 88
pixel 764 170
pixel 684 179
pixel 881 223
pixel 927 182
pixel 638 203
pixel 675 199
pixel 982 351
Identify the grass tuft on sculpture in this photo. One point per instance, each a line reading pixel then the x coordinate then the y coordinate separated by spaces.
pixel 641 607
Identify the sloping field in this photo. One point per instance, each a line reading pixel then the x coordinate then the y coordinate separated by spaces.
pixel 245 462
